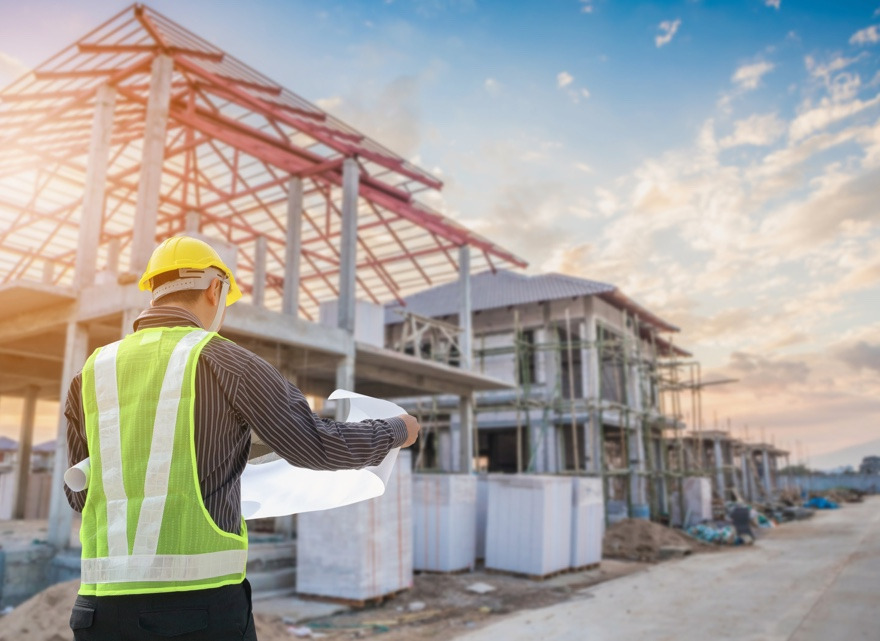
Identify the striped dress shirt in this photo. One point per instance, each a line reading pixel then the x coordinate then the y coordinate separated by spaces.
pixel 238 393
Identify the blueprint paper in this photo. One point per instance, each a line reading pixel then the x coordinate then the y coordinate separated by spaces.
pixel 276 488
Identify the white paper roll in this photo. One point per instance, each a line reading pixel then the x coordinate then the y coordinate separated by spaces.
pixel 77 477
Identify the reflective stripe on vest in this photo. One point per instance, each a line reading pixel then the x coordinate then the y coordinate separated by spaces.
pixel 168 567
pixel 144 565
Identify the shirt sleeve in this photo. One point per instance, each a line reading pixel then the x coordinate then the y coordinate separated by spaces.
pixel 277 411
pixel 77 448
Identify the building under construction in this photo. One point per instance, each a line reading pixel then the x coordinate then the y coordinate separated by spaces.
pixel 141 130
pixel 598 389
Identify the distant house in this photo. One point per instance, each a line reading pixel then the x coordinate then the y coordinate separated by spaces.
pixel 870 465
pixel 8 451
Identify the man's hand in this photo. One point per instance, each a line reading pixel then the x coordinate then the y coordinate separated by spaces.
pixel 412 429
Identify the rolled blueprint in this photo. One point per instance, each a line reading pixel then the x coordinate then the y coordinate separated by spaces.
pixel 277 488
pixel 77 477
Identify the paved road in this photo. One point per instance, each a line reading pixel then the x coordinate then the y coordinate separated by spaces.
pixel 816 580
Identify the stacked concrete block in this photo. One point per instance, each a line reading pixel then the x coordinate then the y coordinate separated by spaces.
pixel 587 522
pixel 528 530
pixel 444 522
pixel 362 551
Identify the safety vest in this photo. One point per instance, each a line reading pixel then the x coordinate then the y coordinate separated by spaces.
pixel 145 527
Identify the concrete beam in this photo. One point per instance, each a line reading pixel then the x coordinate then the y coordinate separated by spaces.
pixel 153 156
pixel 25 446
pixel 95 186
pixel 269 325
pixel 36 322
pixel 419 383
pixel 107 300
pixel 348 245
pixel 293 248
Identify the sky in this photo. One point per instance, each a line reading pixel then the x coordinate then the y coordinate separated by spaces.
pixel 717 161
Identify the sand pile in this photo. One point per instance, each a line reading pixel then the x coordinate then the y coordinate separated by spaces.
pixel 43 617
pixel 640 540
pixel 46 617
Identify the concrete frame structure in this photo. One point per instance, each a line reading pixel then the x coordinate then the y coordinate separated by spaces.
pixel 589 402
pixel 739 470
pixel 141 130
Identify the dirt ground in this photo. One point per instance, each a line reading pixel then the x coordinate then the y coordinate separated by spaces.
pixel 440 606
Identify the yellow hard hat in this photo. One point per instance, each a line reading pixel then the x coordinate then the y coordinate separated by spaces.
pixel 184 252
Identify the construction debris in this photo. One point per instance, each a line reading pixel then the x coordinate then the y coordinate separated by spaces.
pixel 640 540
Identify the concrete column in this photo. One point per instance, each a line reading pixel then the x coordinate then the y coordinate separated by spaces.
pixel 259 291
pixel 465 308
pixel 719 469
pixel 113 250
pixel 747 477
pixel 636 446
pixel 95 186
pixel 348 244
pixel 293 248
pixel 60 515
pixel 25 447
pixel 660 457
pixel 466 434
pixel 765 468
pixel 153 156
pixel 345 379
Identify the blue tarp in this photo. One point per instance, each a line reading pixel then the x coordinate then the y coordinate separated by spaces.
pixel 821 503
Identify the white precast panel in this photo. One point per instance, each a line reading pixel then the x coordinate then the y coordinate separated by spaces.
pixel 359 551
pixel 528 529
pixel 444 522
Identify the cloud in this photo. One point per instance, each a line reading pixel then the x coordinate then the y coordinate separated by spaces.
pixel 773 3
pixel 867 36
pixel 758 130
pixel 587 6
pixel 749 76
pixel 827 113
pixel 838 63
pixel 668 29
pixel 862 355
pixel 329 104
pixel 563 79
pixel 584 167
pixel 11 68
pixel 765 374
pixel 390 113
pixel 492 86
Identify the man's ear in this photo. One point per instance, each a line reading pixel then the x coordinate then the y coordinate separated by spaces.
pixel 213 292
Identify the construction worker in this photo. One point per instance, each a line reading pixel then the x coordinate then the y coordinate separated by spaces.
pixel 166 417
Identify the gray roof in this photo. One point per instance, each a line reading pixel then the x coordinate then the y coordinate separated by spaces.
pixel 8 445
pixel 500 289
pixel 48 446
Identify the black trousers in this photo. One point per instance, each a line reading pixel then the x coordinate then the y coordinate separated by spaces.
pixel 217 614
